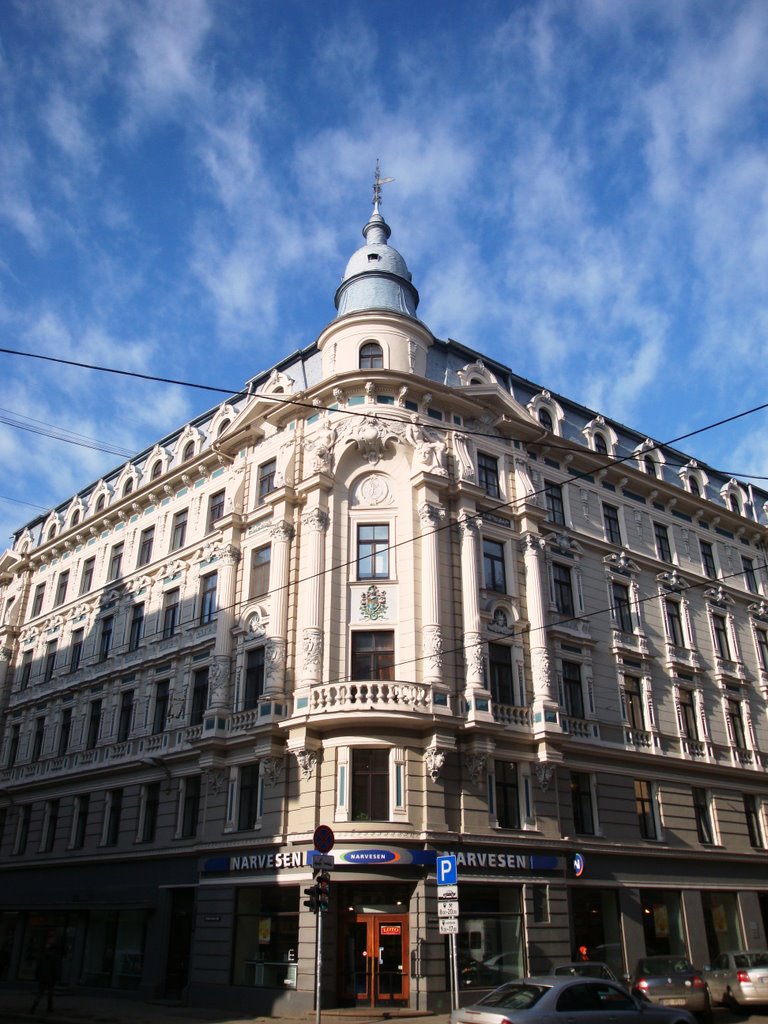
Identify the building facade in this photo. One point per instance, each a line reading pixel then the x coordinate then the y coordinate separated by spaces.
pixel 394 588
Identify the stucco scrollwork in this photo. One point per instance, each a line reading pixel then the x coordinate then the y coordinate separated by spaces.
pixel 216 779
pixel 374 489
pixel 281 530
pixel 271 769
pixel 313 647
pixel 316 519
pixel 433 647
pixel 218 679
pixel 476 764
pixel 307 760
pixel 469 523
pixel 429 448
pixel 434 759
pixel 473 652
pixel 320 446
pixel 466 464
pixel 544 770
pixel 430 516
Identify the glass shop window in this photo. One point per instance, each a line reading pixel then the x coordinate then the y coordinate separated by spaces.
pixel 266 946
pixel 114 948
pixel 490 939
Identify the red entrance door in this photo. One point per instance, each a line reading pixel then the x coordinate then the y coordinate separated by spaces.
pixel 375 960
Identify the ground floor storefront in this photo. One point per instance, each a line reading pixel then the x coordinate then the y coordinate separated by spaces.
pixel 233 930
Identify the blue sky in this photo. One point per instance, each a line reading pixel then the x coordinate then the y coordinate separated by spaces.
pixel 581 189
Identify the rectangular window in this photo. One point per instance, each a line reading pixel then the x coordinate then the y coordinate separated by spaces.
pixel 161 706
pixel 373 654
pixel 254 678
pixel 707 559
pixel 114 813
pixel 76 650
pixel 762 648
pixel 644 806
pixel 145 546
pixel 633 697
pixel 248 806
pixel 561 579
pixel 266 482
pixel 553 495
pixel 373 551
pixel 199 697
pixel 137 627
pixel 94 724
pixel 507 794
pixel 105 639
pixel 125 717
pixel 702 814
pixel 62 585
pixel 80 821
pixel 13 746
pixel 50 660
pixel 720 631
pixel 581 804
pixel 170 612
pixel 674 622
pixel 151 801
pixel 37 739
pixel 370 784
pixel 735 724
pixel 86 577
pixel 116 561
pixel 208 597
pixel 179 529
pixel 750 579
pixel 65 731
pixel 573 692
pixel 190 807
pixel 25 669
pixel 502 679
pixel 611 522
pixel 494 570
pixel 622 608
pixel 260 562
pixel 688 715
pixel 22 830
pixel 663 550
pixel 37 601
pixel 215 509
pixel 488 474
pixel 49 826
pixel 754 823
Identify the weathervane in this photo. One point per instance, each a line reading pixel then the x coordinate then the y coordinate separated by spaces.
pixel 378 181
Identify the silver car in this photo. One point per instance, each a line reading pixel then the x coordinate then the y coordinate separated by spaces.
pixel 586 969
pixel 739 978
pixel 547 999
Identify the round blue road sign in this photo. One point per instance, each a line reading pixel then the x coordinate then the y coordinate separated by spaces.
pixel 323 839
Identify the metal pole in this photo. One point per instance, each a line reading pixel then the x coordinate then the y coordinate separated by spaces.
pixel 318 965
pixel 454 974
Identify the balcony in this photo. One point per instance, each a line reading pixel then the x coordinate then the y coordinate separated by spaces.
pixel 640 739
pixel 580 728
pixel 512 715
pixel 681 656
pixel 370 696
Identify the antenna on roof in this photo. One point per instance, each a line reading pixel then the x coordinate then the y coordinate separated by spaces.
pixel 378 181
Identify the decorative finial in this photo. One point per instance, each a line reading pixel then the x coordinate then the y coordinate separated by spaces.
pixel 378 181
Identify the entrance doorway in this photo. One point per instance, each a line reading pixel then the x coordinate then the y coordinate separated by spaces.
pixel 375 959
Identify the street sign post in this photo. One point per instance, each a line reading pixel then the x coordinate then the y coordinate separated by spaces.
pixel 448 914
pixel 323 862
pixel 447 908
pixel 448 925
pixel 323 839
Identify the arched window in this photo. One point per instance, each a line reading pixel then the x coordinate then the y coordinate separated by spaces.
pixel 650 466
pixel 545 419
pixel 75 517
pixel 101 503
pixel 693 485
pixel 371 356
pixel 600 445
pixel 52 533
pixel 157 470
pixel 223 426
pixel 735 504
pixel 189 451
pixel 128 486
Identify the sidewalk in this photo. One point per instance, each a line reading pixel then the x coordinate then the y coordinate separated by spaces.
pixel 79 1008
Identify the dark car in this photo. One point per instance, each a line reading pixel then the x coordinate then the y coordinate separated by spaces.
pixel 549 999
pixel 673 981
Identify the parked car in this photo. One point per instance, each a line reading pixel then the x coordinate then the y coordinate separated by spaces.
pixel 672 981
pixel 739 978
pixel 551 998
pixel 586 969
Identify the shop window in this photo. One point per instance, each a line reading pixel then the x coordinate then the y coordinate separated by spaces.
pixel 86 576
pixel 76 650
pixel 373 655
pixel 645 807
pixel 488 474
pixel 501 674
pixel 248 797
pixel 208 585
pixel 190 806
pixel 371 356
pixel 573 691
pixel 113 814
pixel 563 590
pixel 702 813
pixel 707 559
pixel 722 922
pixel 266 939
pixel 146 544
pixel 373 551
pixel 136 630
pixel 61 588
pixel 661 535
pixel 113 955
pixel 490 942
pixel 162 697
pixel 582 804
pixel 662 923
pixel 494 569
pixel 370 784
pixel 179 529
pixel 171 599
pixel 260 563
pixel 596 925
pixel 266 482
pixel 115 562
pixel 506 792
pixel 199 696
pixel 611 522
pixel 553 495
pixel 80 821
pixel 215 509
pixel 254 678
pixel 126 716
pixel 150 804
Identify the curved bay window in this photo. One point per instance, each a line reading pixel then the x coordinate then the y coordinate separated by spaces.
pixel 265 952
pixel 371 356
pixel 370 784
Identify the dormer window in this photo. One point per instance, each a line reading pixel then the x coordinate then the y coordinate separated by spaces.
pixel 601 446
pixel 693 486
pixel 128 487
pixel 733 501
pixel 189 451
pixel 157 470
pixel 100 503
pixel 371 356
pixel 545 419
pixel 373 257
pixel 222 428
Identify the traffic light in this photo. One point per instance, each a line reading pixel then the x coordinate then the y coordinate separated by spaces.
pixel 323 886
pixel 312 901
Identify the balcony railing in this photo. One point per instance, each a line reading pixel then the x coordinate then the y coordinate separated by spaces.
pixel 377 696
pixel 512 715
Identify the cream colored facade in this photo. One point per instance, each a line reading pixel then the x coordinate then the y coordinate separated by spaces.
pixel 397 589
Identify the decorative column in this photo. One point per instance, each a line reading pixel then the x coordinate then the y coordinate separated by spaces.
pixel 476 693
pixel 430 517
pixel 315 523
pixel 545 696
pixel 219 679
pixel 281 534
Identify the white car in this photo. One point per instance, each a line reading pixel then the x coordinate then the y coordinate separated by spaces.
pixel 739 978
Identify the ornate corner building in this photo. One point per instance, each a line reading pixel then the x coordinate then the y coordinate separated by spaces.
pixel 394 588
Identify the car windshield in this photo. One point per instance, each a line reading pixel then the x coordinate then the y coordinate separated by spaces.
pixel 665 965
pixel 514 996
pixel 756 959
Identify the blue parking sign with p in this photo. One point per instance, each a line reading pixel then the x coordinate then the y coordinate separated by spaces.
pixel 446 870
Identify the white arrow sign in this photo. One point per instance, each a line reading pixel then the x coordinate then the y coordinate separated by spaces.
pixel 448 908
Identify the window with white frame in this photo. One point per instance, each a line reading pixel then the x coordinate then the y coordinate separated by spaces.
pixel 750 576
pixel 703 815
pixel 506 794
pixel 373 551
pixel 494 568
pixel 622 607
pixel 562 585
pixel 370 784
pixel 611 522
pixel 583 804
pixel 249 794
pixel 753 814
pixel 573 689
pixel 189 807
pixel 148 812
pixel 488 474
pixel 646 801
pixel 734 716
pixel 553 496
pixel 674 621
